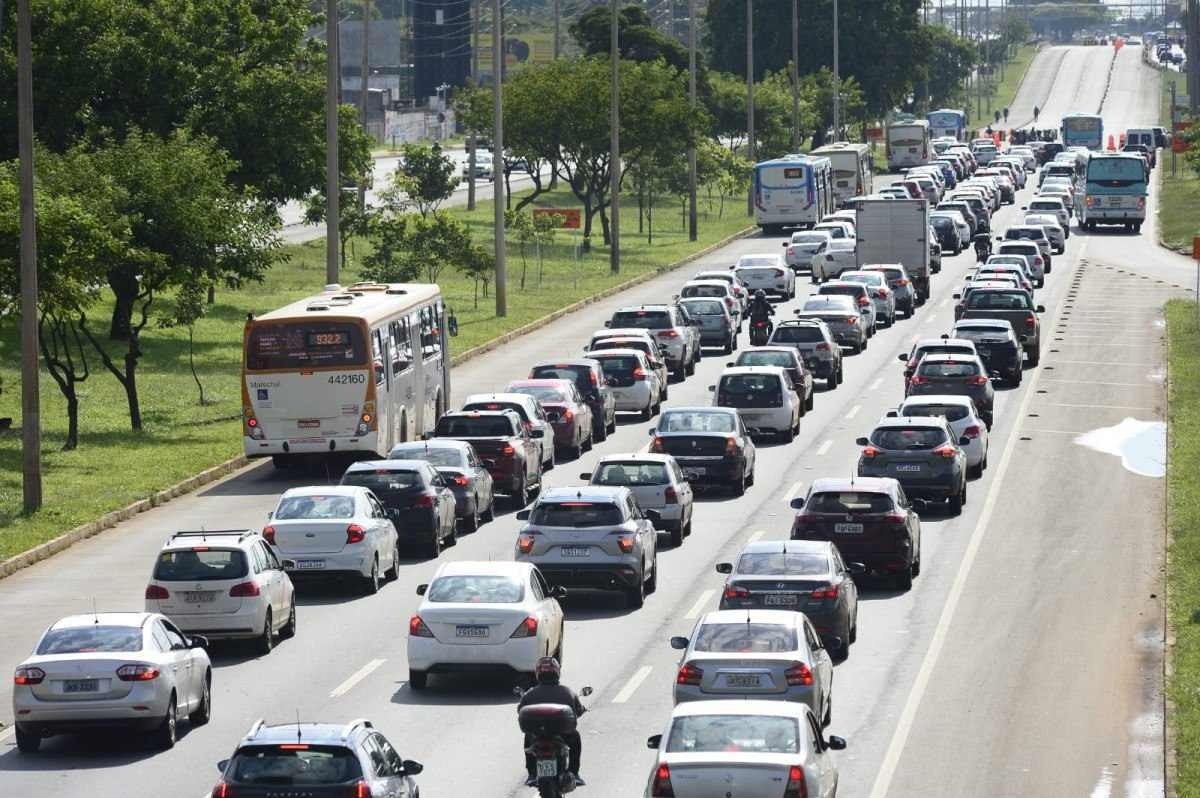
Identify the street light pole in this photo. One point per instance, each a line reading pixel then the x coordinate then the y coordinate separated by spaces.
pixel 692 222
pixel 31 421
pixel 498 160
pixel 795 75
pixel 557 27
pixel 750 148
pixel 475 9
pixel 837 79
pixel 614 145
pixel 364 86
pixel 333 183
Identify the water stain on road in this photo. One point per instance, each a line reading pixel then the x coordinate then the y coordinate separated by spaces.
pixel 1141 445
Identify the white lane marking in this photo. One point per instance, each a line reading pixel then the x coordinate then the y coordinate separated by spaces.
pixel 928 320
pixel 853 412
pixel 887 769
pixel 1055 431
pixel 755 535
pixel 1103 788
pixel 825 447
pixel 1101 363
pixel 793 491
pixel 1094 382
pixel 635 681
pixel 1105 407
pixel 356 677
pixel 6 733
pixel 875 385
pixel 698 607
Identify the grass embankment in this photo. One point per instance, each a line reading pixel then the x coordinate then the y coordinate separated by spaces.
pixel 1000 94
pixel 1183 527
pixel 113 467
pixel 1178 218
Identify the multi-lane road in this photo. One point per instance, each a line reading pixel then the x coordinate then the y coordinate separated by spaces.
pixel 1026 660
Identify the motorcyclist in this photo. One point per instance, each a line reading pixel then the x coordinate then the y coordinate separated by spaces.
pixel 547 672
pixel 760 310
pixel 983 246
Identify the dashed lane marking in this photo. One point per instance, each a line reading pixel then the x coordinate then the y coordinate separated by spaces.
pixel 825 447
pixel 356 677
pixel 701 603
pixel 635 681
pixel 853 412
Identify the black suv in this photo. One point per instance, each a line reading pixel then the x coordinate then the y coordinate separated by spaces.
pixel 921 454
pixel 997 346
pixel 815 343
pixel 588 376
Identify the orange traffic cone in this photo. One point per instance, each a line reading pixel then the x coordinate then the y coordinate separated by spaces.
pixel 1111 144
pixel 996 139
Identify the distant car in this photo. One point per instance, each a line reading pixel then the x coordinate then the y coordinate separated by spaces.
pixel 334 532
pixel 658 484
pixel 1015 307
pixel 902 287
pixel 922 454
pixel 717 328
pixel 803 247
pixel 223 584
pixel 711 445
pixel 463 472
pixel 816 345
pixel 925 346
pixel 843 317
pixel 1054 231
pixel 787 358
pixel 635 385
pixel 964 419
pixel 760 654
pixel 771 745
pixel 478 616
pixel 764 397
pixel 415 496
pixel 949 236
pixel 841 255
pixel 589 379
pixel 679 341
pixel 720 290
pixel 964 375
pixel 809 576
pixel 1035 233
pixel 529 409
pixel 332 759
pixel 997 345
pixel 567 412
pixel 861 296
pixel 766 272
pixel 729 279
pixel 1038 265
pixel 509 452
pixel 881 294
pixel 642 343
pixel 1055 206
pixel 133 670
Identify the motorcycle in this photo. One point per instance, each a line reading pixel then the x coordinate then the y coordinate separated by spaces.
pixel 760 332
pixel 983 249
pixel 547 725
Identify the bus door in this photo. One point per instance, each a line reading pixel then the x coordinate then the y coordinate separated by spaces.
pixel 384 398
pixel 403 377
pixel 431 367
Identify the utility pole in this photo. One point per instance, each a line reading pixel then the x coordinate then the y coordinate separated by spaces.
pixel 614 144
pixel 364 87
pixel 333 183
pixel 837 80
pixel 692 231
pixel 1193 55
pixel 475 9
pixel 750 148
pixel 557 27
pixel 498 159
pixel 31 420
pixel 795 75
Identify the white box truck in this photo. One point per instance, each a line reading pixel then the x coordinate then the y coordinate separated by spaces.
pixel 896 231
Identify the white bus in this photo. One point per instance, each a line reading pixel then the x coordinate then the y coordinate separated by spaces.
pixel 354 369
pixel 853 171
pixel 795 190
pixel 908 144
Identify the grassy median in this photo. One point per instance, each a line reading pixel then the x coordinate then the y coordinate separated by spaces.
pixel 1180 194
pixel 1183 526
pixel 113 467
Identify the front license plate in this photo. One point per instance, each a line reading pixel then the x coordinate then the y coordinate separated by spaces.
pixel 847 529
pixel 81 685
pixel 576 551
pixel 470 631
pixel 908 468
pixel 199 597
pixel 309 565
pixel 743 680
pixel 781 599
pixel 547 768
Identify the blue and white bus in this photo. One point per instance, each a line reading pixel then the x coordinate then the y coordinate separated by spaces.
pixel 1082 130
pixel 792 191
pixel 947 122
pixel 1114 191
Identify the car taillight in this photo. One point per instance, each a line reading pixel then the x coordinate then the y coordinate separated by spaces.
pixel 525 542
pixel 777 272
pixel 461 481
pixel 639 374
pixel 670 495
pixel 736 592
pixel 947 451
pixel 508 450
pixel 917 379
pixel 1141 202
pixel 222 790
pixel 662 783
pixel 355 534
pixel 864 301
pixel 731 446
pixel 895 518
pixel 1038 260
pixel 29 676
pixel 157 592
pixel 417 627
pixel 567 415
pixel 667 334
pixel 870 451
pixel 689 674
pixel 798 674
pixel 971 431
pixel 729 302
pixel 137 673
pixel 593 379
pixel 978 379
pixel 527 628
pixel 625 542
pixel 830 592
pixel 244 590
pixel 822 347
pixel 425 501
pixel 268 534
pixel 883 292
pixel 656 445
pixel 797 787
pixel 1030 319
pixel 360 789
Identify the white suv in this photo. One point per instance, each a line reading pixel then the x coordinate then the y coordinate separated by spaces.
pixel 764 397
pixel 223 584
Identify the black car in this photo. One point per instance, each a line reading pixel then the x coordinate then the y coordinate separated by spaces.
pixel 921 454
pixel 416 498
pixel 589 379
pixel 463 472
pixel 947 234
pixel 711 445
pixel 802 575
pixel 1048 151
pixel 960 375
pixel 997 346
pixel 787 358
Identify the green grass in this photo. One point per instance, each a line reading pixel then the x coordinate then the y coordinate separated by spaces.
pixel 1178 219
pixel 113 467
pixel 998 94
pixel 1183 526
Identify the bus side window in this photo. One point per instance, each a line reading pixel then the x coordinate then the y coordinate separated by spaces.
pixel 430 344
pixel 377 356
pixel 401 346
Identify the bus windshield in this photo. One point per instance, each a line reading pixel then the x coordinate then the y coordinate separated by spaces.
pixel 288 345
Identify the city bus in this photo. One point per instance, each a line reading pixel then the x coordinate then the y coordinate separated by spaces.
pixel 908 144
pixel 947 122
pixel 852 169
pixel 1082 130
pixel 350 370
pixel 795 190
pixel 1114 191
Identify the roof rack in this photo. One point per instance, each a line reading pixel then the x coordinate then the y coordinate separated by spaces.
pixel 254 729
pixel 201 533
pixel 354 724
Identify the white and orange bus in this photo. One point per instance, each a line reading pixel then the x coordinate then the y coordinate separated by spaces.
pixel 352 369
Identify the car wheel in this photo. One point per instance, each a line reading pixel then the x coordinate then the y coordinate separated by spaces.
pixel 858 347
pixel 558 652
pixel 266 641
pixel 687 528
pixel 1034 357
pixel 750 477
pixel 788 435
pixel 471 523
pixel 370 585
pixel 810 401
pixel 827 718
pixel 652 582
pixel 689 367
pixel 904 579
pixel 289 629
pixel 916 566
pixel 418 680
pixel 739 485
pixel 975 471
pixel 664 393
pixel 587 444
pixel 203 712
pixel 956 502
pixel 28 742
pixel 983 465
pixel 635 596
pixel 853 638
pixel 490 515
pixel 452 534
pixel 164 736
pixel 648 412
pixel 677 534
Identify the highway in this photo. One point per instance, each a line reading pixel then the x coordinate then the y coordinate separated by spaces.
pixel 1026 660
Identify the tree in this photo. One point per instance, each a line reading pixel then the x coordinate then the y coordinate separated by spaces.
pixel 189 309
pixel 818 87
pixel 354 169
pixel 412 246
pixel 425 176
pixel 520 226
pixel 479 264
pixel 545 228
pixel 637 38
pixel 951 58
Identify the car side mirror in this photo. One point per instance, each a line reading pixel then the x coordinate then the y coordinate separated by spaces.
pixel 537 433
pixel 730 365
pixel 964 441
pixel 724 567
pixel 288 565
pixel 608 324
pixel 785 244
pixel 945 337
pixel 1000 238
pixel 861 441
pixel 679 643
pixel 1024 207
pixel 558 592
pixel 712 388
pixel 585 691
pixel 892 414
pixel 856 568
pixel 1041 308
pixel 654 741
pixel 411 768
pixel 651 431
pixel 270 515
pixel 224 763
pixel 902 358
pixel 956 296
pixel 653 516
pixel 522 515
pixel 198 641
pixel 586 476
pixel 422 589
pixel 836 743
pixel 797 503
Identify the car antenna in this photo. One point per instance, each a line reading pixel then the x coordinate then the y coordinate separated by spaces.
pixel 299 734
pixel 95 615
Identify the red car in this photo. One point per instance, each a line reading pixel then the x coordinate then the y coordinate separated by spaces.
pixel 565 409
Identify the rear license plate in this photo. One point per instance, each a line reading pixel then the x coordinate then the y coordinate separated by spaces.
pixel 81 686
pixel 309 565
pixel 547 768
pixel 695 472
pixel 199 597
pixel 743 680
pixel 576 551
pixel 910 468
pixel 848 529
pixel 470 631
pixel 310 423
pixel 780 599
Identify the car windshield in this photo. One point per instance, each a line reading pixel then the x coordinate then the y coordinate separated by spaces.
pixel 849 501
pixel 294 764
pixel 434 455
pixel 782 563
pixel 696 421
pixel 476 590
pixel 543 393
pixel 293 508
pixel 474 426
pixel 1121 171
pixel 950 412
pixel 642 319
pixel 808 238
pixel 905 438
pixel 576 514
pixel 998 300
pixel 745 637
pixel 763 734
pixel 92 638
pixel 795 334
pixel 705 308
pixel 200 565
pixel 633 474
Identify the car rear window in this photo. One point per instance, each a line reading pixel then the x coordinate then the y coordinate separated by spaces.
pixel 980 333
pixel 617 343
pixel 947 368
pixel 998 300
pixel 200 565
pixel 906 438
pixel 849 501
pixel 782 563
pixel 577 374
pixel 543 393
pixel 950 412
pixel 576 514
pixel 383 481
pixel 705 308
pixel 474 427
pixel 434 455
pixel 91 638
pixel 314 507
pixel 516 407
pixel 644 319
pixel 765 734
pixel 631 474
pixel 297 764
pixel 704 290
pixel 751 262
pixel 840 290
pixel 942 349
pixel 688 421
pixel 799 334
pixel 487 589
pixel 829 302
pixel 738 388
pixel 619 364
pixel 758 638
pixel 1021 233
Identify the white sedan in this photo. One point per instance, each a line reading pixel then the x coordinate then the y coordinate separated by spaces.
pixel 804 247
pixel 1054 231
pixel 840 256
pixel 477 616
pixel 766 272
pixel 112 669
pixel 759 748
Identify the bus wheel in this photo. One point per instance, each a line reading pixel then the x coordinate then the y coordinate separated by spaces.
pixel 281 461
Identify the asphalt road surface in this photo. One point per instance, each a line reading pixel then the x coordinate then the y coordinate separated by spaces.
pixel 1026 660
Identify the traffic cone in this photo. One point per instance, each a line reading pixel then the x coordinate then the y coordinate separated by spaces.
pixel 996 139
pixel 1111 144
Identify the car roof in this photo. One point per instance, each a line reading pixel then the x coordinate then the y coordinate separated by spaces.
pixel 587 493
pixel 103 619
pixel 924 342
pixel 604 354
pixel 997 323
pixel 586 362
pixel 791 546
pixel 782 709
pixel 542 382
pixel 781 617
pixel 485 413
pixel 648 457
pixel 840 284
pixel 864 484
pixel 515 398
pixel 733 371
pixel 387 462
pixel 911 421
pixel 436 443
pixel 483 568
pixel 657 306
pixel 948 357
pixel 714 282
pixel 939 399
pixel 787 350
pixel 327 490
pixel 1018 227
pixel 182 540
pixel 622 332
pixel 313 733
pixel 729 411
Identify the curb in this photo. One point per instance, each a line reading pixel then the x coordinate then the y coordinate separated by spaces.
pixel 1170 762
pixel 111 519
